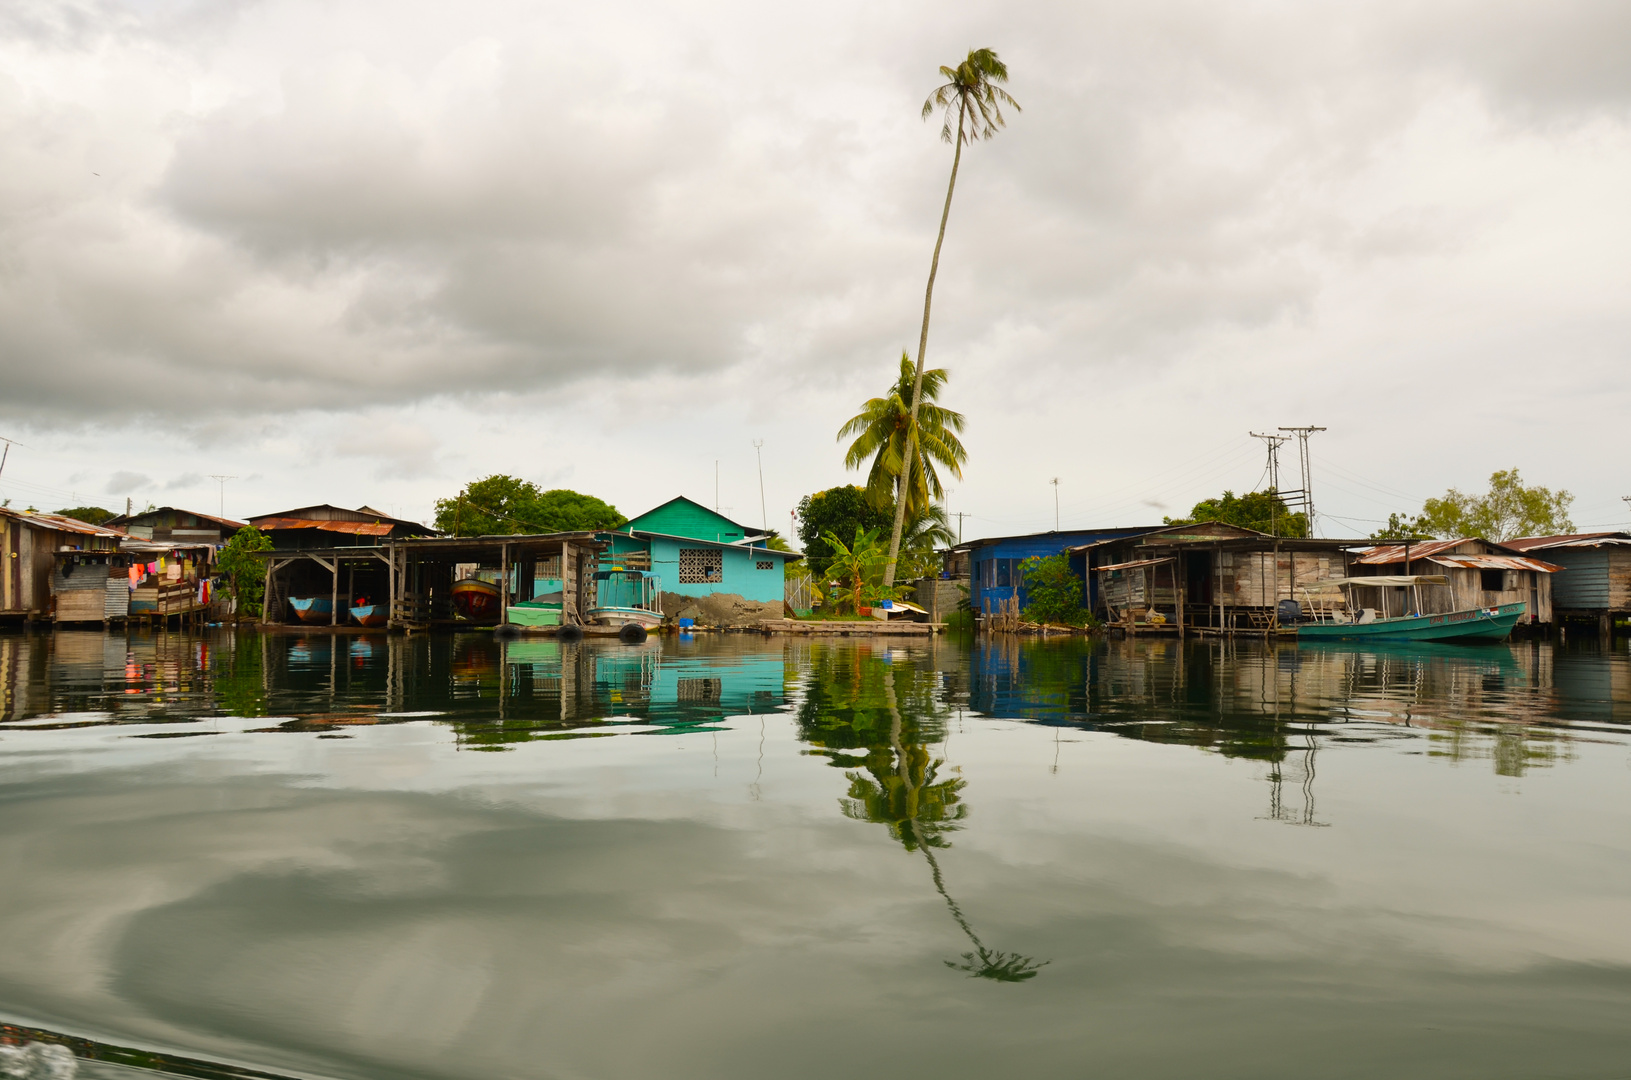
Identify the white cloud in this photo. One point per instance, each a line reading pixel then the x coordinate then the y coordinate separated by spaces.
pixel 614 244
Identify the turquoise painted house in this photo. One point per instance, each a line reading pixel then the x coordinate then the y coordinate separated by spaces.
pixel 697 552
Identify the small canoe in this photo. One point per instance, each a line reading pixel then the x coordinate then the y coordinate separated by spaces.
pixel 477 601
pixel 370 614
pixel 312 609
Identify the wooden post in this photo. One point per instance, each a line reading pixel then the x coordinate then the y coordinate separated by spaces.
pixel 334 593
pixel 504 585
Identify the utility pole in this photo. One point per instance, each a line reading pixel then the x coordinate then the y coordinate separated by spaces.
pixel 1273 443
pixel 222 480
pixel 4 454
pixel 1307 491
pixel 960 516
pixel 1055 483
pixel 764 515
pixel 716 485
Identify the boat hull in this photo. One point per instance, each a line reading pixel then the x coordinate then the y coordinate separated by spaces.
pixel 369 614
pixel 313 609
pixel 477 601
pixel 535 615
pixel 1473 624
pixel 622 616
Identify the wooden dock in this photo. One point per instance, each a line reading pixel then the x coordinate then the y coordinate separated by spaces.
pixel 867 627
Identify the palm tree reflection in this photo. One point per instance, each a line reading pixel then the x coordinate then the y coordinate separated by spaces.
pixel 898 783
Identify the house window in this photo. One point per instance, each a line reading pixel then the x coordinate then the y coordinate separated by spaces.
pixel 1004 567
pixel 701 566
pixel 1492 580
pixel 765 564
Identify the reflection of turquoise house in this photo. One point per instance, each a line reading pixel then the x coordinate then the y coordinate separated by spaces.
pixel 697 552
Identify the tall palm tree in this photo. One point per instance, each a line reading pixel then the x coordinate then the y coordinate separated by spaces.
pixel 884 430
pixel 971 90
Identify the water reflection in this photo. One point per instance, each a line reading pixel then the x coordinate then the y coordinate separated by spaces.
pixel 874 715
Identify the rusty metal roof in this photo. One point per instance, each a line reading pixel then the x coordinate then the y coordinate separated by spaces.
pixel 1383 554
pixel 62 524
pixel 1495 562
pixel 354 528
pixel 1596 539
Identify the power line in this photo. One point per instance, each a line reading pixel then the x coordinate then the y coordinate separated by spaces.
pixel 222 480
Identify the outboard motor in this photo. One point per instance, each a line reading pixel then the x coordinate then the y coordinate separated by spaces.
pixel 1289 612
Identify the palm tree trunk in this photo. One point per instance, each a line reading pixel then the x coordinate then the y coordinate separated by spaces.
pixel 922 349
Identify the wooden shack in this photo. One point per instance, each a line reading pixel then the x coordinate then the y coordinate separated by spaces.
pixel 1205 576
pixel 330 552
pixel 44 552
pixel 1595 580
pixel 424 569
pixel 169 523
pixel 1480 573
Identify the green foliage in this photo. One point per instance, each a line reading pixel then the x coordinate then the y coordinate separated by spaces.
pixel 502 505
pixel 881 431
pixel 1263 511
pixel 1053 592
pixel 857 567
pixel 1509 509
pixel 90 515
pixel 970 101
pixel 1399 527
pixel 242 571
pixel 840 510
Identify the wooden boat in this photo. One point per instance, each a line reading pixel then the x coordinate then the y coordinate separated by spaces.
pixel 544 610
pixel 624 596
pixel 1350 621
pixel 370 614
pixel 313 609
pixel 477 601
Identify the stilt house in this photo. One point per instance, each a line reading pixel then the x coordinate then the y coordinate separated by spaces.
pixel 1481 573
pixel 1595 580
pixel 698 553
pixel 58 567
pixel 332 553
pixel 1205 575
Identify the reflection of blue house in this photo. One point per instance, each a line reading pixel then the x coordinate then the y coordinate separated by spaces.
pixel 994 574
pixel 697 552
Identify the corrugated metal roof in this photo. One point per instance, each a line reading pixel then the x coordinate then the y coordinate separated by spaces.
pixel 1495 562
pixel 1596 539
pixel 1383 554
pixel 1135 564
pixel 61 524
pixel 354 528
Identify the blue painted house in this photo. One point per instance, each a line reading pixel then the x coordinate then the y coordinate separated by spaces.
pixel 993 563
pixel 698 552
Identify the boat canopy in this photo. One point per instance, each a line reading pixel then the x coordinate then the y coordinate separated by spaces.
pixel 1400 580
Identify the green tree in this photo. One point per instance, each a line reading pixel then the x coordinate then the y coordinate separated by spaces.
pixel 925 534
pixel 1509 509
pixel 90 515
pixel 242 570
pixel 857 566
pixel 1399 527
pixel 971 89
pixel 839 510
pixel 1264 511
pixel 888 428
pixel 501 505
pixel 1053 592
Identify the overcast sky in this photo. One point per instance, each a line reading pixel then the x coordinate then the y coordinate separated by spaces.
pixel 364 251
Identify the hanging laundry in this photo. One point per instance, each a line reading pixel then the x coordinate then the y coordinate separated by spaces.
pixel 135 575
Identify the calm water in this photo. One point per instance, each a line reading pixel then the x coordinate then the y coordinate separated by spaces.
pixel 751 857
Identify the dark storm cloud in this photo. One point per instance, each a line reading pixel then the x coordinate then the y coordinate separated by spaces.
pixel 293 213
